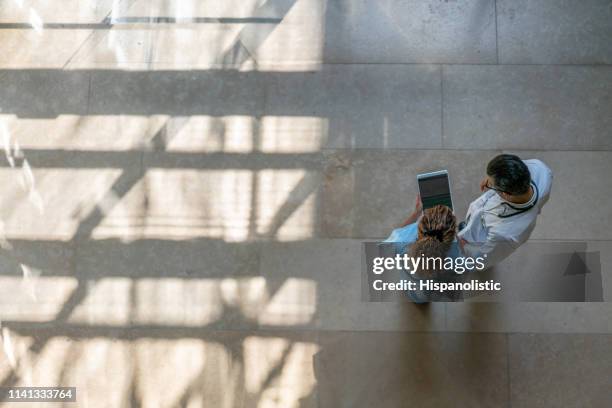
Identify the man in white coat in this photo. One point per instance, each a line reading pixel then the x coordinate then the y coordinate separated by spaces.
pixel 503 217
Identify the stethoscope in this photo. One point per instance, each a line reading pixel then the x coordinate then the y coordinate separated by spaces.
pixel 520 210
pixel 517 210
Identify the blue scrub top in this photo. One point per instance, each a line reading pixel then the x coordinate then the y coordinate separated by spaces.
pixel 407 235
pixel 401 238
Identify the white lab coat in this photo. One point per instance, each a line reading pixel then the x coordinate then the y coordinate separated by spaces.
pixel 495 228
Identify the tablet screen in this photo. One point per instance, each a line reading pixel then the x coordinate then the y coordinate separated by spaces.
pixel 435 190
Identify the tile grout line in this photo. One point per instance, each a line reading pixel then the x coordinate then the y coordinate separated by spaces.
pixel 442 106
pixel 450 63
pixel 445 317
pixel 603 149
pixel 301 330
pixel 373 150
pixel 496 35
pixel 460 64
pixel 508 370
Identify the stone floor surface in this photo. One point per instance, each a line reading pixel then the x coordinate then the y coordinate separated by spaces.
pixel 187 186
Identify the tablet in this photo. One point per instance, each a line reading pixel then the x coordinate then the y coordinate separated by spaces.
pixel 435 189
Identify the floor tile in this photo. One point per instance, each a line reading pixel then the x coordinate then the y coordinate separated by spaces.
pixel 169 34
pixel 190 9
pixel 410 32
pixel 114 48
pixel 170 45
pixel 176 93
pixel 554 32
pixel 364 106
pixel 536 268
pixel 560 370
pixel 576 175
pixel 43 93
pixel 71 11
pixel 527 107
pixel 215 368
pixel 529 317
pixel 176 46
pixel 201 283
pixel 553 271
pixel 430 370
pixel 37 277
pixel 29 48
pixel 602 251
pixel 333 269
pixel 187 186
pixel 235 197
pixel 160 258
pixel 53 200
pixel 92 135
pixel 45 258
pixel 298 37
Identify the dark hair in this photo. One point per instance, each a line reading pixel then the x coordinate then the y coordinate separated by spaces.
pixel 436 232
pixel 509 173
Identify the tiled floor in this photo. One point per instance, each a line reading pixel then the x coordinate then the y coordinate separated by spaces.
pixel 187 185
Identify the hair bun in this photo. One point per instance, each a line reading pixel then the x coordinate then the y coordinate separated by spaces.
pixel 437 234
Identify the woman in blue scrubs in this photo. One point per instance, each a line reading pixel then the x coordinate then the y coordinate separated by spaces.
pixel 431 233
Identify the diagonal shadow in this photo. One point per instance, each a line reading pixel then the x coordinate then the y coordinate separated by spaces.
pixel 251 37
pixel 122 185
pixel 128 179
pixel 302 190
